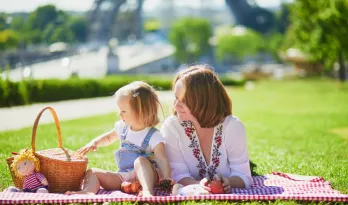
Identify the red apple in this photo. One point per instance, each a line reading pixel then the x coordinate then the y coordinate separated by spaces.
pixel 126 187
pixel 216 187
pixel 135 187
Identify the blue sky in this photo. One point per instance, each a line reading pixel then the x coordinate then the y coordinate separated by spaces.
pixel 83 5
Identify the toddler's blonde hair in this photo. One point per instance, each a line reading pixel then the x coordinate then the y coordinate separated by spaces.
pixel 143 101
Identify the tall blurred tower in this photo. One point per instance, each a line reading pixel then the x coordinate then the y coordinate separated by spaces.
pixel 167 14
pixel 103 19
pixel 205 4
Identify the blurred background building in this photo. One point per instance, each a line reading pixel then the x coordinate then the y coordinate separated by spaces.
pixel 94 38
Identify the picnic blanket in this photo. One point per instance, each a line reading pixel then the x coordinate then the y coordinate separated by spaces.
pixel 274 186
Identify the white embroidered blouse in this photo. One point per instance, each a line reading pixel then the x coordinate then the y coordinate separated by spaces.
pixel 229 154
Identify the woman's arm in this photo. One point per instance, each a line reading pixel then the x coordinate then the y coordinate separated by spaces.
pixel 238 157
pixel 236 182
pixel 179 169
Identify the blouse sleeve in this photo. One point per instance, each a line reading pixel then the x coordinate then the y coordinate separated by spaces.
pixel 179 168
pixel 237 152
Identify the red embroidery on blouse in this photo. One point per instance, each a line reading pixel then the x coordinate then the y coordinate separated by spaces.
pixel 204 171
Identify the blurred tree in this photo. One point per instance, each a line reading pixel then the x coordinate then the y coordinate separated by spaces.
pixel 79 27
pixel 239 43
pixel 43 16
pixel 62 34
pixel 3 23
pixel 46 24
pixel 26 34
pixel 152 24
pixel 319 29
pixel 8 39
pixel 274 45
pixel 190 37
pixel 48 32
pixel 18 24
pixel 32 37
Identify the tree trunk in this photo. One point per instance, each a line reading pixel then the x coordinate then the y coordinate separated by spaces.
pixel 342 70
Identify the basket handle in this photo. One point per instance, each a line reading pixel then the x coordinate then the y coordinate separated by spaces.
pixel 56 121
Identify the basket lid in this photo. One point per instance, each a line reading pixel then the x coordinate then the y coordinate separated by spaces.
pixel 62 154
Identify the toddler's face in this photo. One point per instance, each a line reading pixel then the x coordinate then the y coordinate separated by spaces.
pixel 126 112
pixel 25 167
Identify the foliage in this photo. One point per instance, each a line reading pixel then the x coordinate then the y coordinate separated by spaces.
pixel 190 37
pixel 27 35
pixel 152 25
pixel 62 33
pixel 31 91
pixel 44 15
pixel 18 23
pixel 274 44
pixel 78 26
pixel 8 39
pixel 47 24
pixel 319 29
pixel 239 44
pixel 3 23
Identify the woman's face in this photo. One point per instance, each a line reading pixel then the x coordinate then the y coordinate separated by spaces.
pixel 183 112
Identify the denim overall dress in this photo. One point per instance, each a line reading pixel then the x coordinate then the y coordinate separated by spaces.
pixel 129 152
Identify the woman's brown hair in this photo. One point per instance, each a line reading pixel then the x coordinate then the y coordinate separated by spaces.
pixel 143 100
pixel 204 94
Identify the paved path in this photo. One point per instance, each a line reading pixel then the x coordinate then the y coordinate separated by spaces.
pixel 23 116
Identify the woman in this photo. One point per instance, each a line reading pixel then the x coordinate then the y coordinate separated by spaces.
pixel 203 140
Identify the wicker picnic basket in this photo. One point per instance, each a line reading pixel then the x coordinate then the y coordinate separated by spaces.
pixel 63 168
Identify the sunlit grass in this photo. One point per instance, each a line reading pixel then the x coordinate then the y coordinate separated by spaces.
pixel 292 126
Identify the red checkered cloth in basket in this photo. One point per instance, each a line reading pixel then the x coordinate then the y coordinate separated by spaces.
pixel 269 187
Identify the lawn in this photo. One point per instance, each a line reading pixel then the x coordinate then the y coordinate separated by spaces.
pixel 293 126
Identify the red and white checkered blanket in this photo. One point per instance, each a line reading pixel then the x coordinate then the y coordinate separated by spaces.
pixel 269 187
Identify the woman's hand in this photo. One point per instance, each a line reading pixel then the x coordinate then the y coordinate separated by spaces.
pixel 204 184
pixel 183 111
pixel 87 148
pixel 225 182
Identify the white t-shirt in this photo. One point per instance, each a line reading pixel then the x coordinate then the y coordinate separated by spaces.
pixel 137 137
pixel 229 148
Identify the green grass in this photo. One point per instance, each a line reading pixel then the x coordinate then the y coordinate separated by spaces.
pixel 297 126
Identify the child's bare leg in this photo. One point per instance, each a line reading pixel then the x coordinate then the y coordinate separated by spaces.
pixel 146 174
pixel 96 178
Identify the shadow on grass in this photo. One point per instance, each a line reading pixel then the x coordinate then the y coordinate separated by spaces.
pixel 253 169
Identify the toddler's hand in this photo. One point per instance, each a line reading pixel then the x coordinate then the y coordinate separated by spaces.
pixel 87 148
